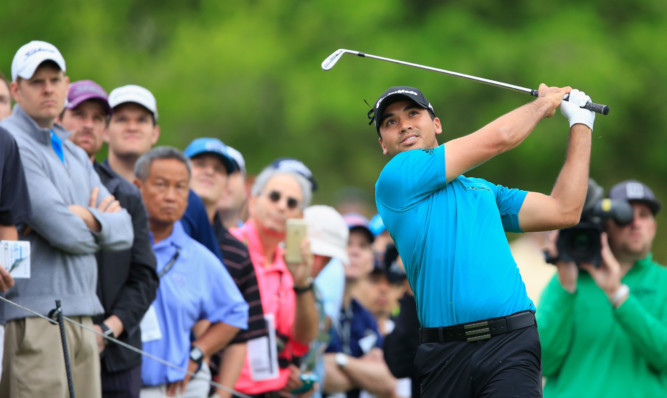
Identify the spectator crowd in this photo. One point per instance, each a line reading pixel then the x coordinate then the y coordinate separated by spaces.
pixel 180 254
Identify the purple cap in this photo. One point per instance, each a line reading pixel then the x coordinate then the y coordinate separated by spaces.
pixel 85 90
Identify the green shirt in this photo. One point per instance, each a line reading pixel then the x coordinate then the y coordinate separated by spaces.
pixel 590 349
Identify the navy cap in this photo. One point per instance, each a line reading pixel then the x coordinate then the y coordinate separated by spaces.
pixel 211 146
pixel 297 166
pixel 635 191
pixel 395 94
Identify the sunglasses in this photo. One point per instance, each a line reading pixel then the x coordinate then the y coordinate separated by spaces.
pixel 275 197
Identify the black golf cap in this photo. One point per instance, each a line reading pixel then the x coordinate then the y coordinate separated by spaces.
pixel 394 94
pixel 635 191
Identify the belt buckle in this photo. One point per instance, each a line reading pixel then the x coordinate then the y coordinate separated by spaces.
pixel 477 331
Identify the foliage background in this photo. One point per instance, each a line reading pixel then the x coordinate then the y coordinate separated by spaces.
pixel 248 72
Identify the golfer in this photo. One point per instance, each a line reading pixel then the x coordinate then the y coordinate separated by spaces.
pixel 478 337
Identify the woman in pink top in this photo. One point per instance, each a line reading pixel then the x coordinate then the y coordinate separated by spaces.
pixel 286 290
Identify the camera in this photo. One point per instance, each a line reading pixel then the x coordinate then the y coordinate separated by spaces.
pixel 581 243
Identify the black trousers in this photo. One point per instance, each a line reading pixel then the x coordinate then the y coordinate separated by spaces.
pixel 506 365
pixel 125 384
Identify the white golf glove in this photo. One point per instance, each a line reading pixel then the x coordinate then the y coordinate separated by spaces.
pixel 573 111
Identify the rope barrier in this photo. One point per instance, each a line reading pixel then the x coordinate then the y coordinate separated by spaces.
pixel 125 345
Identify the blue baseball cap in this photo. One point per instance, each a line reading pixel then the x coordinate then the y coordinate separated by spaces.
pixel 376 225
pixel 213 146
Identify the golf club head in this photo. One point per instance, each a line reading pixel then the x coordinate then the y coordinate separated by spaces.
pixel 331 60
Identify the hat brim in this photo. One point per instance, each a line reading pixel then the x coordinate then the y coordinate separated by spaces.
pixel 88 97
pixel 365 230
pixel 29 70
pixel 393 98
pixel 654 205
pixel 323 248
pixel 230 164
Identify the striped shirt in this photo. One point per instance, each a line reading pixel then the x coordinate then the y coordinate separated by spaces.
pixel 239 266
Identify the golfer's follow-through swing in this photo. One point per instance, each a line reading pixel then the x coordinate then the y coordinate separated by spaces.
pixel 479 337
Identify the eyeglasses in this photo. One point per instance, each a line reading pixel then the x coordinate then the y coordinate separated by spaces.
pixel 275 197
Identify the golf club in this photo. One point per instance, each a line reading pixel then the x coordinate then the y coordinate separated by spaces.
pixel 331 60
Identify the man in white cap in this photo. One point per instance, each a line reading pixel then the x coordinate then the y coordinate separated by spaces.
pixel 73 217
pixel 132 131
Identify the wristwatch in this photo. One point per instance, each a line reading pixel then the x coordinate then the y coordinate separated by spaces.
pixel 106 332
pixel 301 290
pixel 341 359
pixel 196 356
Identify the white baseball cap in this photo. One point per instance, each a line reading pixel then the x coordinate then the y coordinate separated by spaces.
pixel 327 232
pixel 135 94
pixel 31 55
pixel 238 158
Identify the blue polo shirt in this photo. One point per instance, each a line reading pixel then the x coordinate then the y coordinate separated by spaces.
pixel 451 237
pixel 196 287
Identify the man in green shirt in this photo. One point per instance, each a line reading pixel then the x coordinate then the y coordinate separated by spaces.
pixel 604 329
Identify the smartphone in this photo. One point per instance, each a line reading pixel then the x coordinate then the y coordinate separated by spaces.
pixel 296 232
pixel 309 380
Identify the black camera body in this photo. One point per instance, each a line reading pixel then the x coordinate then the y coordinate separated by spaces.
pixel 581 243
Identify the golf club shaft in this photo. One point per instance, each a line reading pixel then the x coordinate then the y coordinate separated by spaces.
pixel 331 60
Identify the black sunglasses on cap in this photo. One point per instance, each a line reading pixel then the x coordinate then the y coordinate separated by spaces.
pixel 275 197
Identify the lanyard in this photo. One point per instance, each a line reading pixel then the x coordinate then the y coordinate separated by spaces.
pixel 170 264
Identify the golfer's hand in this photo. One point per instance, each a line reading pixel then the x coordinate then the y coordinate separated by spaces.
pixel 573 111
pixel 552 96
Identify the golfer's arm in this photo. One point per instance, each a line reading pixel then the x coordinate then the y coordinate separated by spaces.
pixel 563 207
pixel 506 132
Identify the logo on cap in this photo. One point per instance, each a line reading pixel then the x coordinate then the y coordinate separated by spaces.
pixel 634 190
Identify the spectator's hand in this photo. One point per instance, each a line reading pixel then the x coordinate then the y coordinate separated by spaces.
pixel 568 273
pixel 101 341
pixel 293 382
pixel 374 355
pixel 301 272
pixel 573 111
pixel 608 275
pixel 553 96
pixel 6 280
pixel 178 387
pixel 87 217
pixel 108 205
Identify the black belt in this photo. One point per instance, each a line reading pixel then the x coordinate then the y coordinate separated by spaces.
pixel 480 330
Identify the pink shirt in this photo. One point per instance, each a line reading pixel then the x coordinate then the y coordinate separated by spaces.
pixel 276 290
